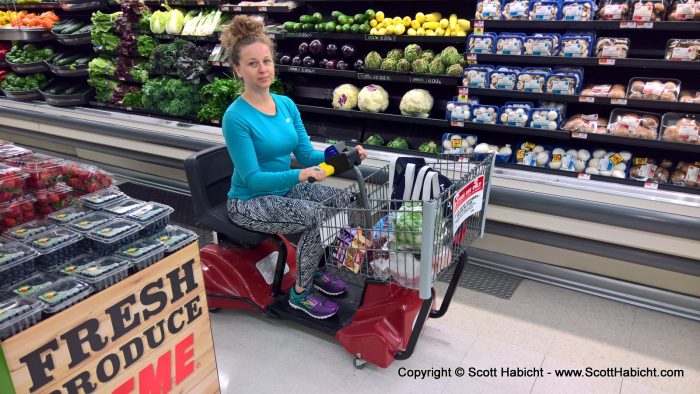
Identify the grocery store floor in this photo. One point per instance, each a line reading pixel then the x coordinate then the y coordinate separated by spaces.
pixel 540 326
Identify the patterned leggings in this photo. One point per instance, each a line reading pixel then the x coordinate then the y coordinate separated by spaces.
pixel 296 212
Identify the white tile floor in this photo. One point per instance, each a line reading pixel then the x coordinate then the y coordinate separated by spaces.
pixel 541 326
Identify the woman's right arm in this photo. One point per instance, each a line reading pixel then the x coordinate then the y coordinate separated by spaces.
pixel 240 147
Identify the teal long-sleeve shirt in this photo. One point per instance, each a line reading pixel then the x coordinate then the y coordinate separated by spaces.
pixel 260 146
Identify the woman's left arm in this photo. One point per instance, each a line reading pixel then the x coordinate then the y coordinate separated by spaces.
pixel 304 152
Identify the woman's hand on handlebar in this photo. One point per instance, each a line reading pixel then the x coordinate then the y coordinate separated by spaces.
pixel 361 151
pixel 316 173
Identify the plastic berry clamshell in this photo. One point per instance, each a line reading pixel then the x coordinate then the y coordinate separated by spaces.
pixel 102 198
pixel 54 199
pixel 123 207
pixel 85 178
pixel 143 252
pixel 17 212
pixel 67 215
pixel 175 238
pixel 55 246
pixel 103 272
pixel 63 293
pixel 16 263
pixel 89 222
pixel 34 284
pixel 44 171
pixel 11 152
pixel 111 236
pixel 17 314
pixel 152 216
pixel 29 229
pixel 72 265
pixel 13 183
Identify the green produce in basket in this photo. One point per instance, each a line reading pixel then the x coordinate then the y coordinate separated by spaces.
pixel 412 52
pixel 102 66
pixel 145 45
pixel 454 70
pixel 403 65
pixel 398 143
pixel 450 56
pixel 437 66
pixel 16 83
pixel 408 225
pixel 420 66
pixel 375 139
pixel 428 55
pixel 29 53
pixel 373 60
pixel 389 65
pixel 395 54
pixel 429 147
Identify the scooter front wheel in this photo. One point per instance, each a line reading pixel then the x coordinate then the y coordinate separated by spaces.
pixel 359 363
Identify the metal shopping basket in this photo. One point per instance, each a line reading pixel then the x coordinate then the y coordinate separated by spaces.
pixel 409 242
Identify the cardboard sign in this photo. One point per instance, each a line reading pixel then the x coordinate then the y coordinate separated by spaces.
pixel 467 201
pixel 149 333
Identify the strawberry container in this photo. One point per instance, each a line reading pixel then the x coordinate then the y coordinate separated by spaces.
pixel 89 222
pixel 69 214
pixel 16 263
pixel 15 212
pixel 113 235
pixel 103 272
pixel 29 229
pixel 62 294
pixel 53 199
pixel 13 153
pixel 102 198
pixel 85 178
pixel 152 216
pixel 56 246
pixel 175 238
pixel 142 253
pixel 33 285
pixel 17 314
pixel 44 171
pixel 13 183
pixel 123 207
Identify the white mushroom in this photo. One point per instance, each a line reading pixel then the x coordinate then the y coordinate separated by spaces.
pixel 572 152
pixel 592 171
pixel 620 167
pixel 583 154
pixel 471 140
pixel 555 165
pixel 618 174
pixel 482 148
pixel 559 151
pixel 594 162
pixel 626 156
pixel 506 150
pixel 538 149
pixel 579 165
pixel 542 159
pixel 599 153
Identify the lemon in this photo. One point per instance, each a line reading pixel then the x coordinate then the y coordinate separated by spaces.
pixel 398 20
pixel 373 31
pixel 444 23
pixel 420 17
pixel 461 34
pixel 373 23
pixel 415 24
pixel 439 31
pixel 420 31
pixel 379 16
pixel 381 32
pixel 399 29
pixel 390 30
pixel 429 33
pixel 407 21
pixel 412 32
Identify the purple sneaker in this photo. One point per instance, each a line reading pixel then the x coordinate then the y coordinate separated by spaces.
pixel 328 284
pixel 313 303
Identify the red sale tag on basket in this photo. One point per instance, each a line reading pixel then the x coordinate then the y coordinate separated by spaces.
pixel 467 201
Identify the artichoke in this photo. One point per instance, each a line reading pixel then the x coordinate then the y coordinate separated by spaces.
pixel 395 54
pixel 436 66
pixel 463 62
pixel 412 52
pixel 420 66
pixel 450 56
pixel 428 55
pixel 403 65
pixel 389 64
pixel 454 70
pixel 373 60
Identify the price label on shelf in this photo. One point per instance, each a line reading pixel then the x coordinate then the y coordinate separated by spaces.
pixel 651 185
pixel 584 176
pixel 374 77
pixel 371 37
pixel 463 94
pixel 586 99
pixel 606 61
pixel 617 101
pixel 471 58
pixel 576 134
pixel 302 70
pixel 200 2
pixel 628 25
pixel 645 25
pixel 429 81
pixel 262 9
pixel 478 27
pixel 129 109
pixel 237 8
pixel 215 121
pixel 455 123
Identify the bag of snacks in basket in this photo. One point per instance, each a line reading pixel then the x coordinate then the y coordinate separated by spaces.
pixel 351 249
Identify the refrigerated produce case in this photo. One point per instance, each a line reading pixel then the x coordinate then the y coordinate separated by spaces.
pixel 625 237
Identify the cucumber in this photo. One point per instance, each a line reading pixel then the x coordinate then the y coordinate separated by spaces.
pixel 306 19
pixel 289 26
pixel 318 18
pixel 297 27
pixel 58 89
pixel 336 14
pixel 67 60
pixel 59 56
pixel 62 28
pixel 73 28
pixel 74 89
pixel 84 29
pixel 83 61
pixel 307 27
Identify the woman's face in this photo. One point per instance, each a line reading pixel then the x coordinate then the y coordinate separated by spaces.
pixel 256 68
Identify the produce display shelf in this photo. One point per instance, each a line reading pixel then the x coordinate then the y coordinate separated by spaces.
pixel 142 111
pixel 246 9
pixel 590 25
pixel 28 34
pixel 315 71
pixel 185 3
pixel 643 143
pixel 166 37
pixel 281 35
pixel 28 6
pixel 588 61
pixel 369 75
pixel 565 98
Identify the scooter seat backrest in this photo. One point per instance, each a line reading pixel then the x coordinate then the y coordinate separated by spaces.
pixel 209 177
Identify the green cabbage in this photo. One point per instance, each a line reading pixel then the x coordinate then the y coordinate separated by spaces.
pixel 408 225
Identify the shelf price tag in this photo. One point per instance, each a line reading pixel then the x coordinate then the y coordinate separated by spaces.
pixel 262 9
pixel 455 123
pixel 200 2
pixel 237 8
pixel 430 81
pixel 576 134
pixel 618 101
pixel 478 27
pixel 371 37
pixel 463 94
pixel 628 25
pixel 301 35
pixel 645 25
pixel 651 185
pixel 584 176
pixel 215 121
pixel 586 99
pixel 302 70
pixel 471 58
pixel 606 61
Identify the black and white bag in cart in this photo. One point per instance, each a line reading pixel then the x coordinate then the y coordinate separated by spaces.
pixel 412 179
